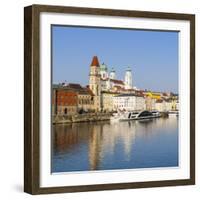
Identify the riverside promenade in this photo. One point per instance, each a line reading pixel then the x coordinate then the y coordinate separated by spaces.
pixel 86 117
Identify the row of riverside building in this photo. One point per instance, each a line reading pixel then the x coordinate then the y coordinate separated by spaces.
pixel 105 93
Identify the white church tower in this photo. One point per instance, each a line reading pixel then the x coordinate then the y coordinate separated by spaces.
pixel 112 74
pixel 104 71
pixel 128 79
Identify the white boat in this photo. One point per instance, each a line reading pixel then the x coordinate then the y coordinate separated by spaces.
pixel 173 113
pixel 148 115
pixel 127 116
pixel 115 117
pixel 156 113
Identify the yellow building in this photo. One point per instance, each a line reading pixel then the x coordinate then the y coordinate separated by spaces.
pixel 151 98
pixel 153 95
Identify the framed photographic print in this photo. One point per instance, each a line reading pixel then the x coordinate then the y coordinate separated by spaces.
pixel 109 99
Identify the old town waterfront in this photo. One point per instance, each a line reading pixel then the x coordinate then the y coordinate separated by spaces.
pixel 106 94
pixel 111 124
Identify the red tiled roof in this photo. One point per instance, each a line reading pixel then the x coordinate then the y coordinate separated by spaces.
pixel 95 61
pixel 75 86
pixel 117 81
pixel 140 92
pixel 89 91
pixel 168 100
pixel 159 101
pixel 118 87
pixel 109 92
pixel 104 79
pixel 131 90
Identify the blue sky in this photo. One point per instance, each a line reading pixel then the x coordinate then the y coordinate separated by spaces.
pixel 152 55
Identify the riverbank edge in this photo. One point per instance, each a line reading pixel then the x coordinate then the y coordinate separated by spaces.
pixel 89 117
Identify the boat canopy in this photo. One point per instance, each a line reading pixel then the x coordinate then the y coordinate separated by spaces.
pixel 145 114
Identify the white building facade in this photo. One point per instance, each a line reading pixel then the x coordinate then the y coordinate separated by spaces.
pixel 163 106
pixel 129 102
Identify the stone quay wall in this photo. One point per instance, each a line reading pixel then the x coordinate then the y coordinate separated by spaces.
pixel 88 117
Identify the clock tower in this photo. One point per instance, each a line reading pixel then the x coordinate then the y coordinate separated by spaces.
pixel 95 82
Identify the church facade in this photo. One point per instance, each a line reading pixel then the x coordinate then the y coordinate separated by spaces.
pixel 105 85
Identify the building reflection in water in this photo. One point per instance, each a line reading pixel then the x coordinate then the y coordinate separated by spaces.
pixel 103 140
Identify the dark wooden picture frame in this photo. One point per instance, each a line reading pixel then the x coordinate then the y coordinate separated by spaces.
pixel 32 94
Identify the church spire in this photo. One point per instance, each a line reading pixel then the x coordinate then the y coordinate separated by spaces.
pixel 95 61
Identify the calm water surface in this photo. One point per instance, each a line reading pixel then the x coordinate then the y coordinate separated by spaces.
pixel 120 145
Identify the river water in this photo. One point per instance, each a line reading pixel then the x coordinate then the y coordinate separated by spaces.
pixel 120 145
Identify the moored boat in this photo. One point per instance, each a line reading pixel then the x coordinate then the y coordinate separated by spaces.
pixel 115 117
pixel 173 113
pixel 147 115
pixel 156 113
pixel 127 116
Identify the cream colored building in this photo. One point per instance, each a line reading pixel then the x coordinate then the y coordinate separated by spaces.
pixel 161 105
pixel 85 101
pixel 175 104
pixel 107 101
pixel 165 105
pixel 150 103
